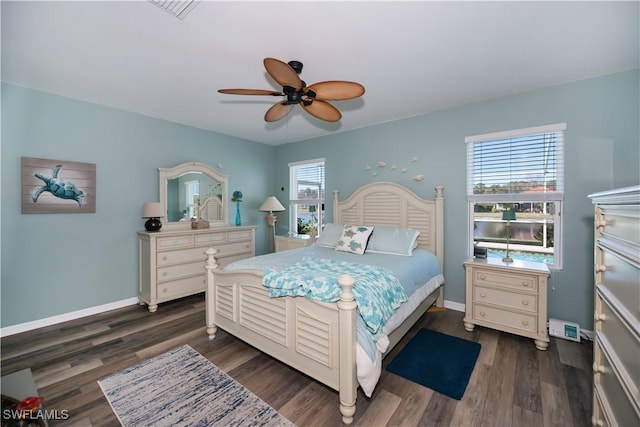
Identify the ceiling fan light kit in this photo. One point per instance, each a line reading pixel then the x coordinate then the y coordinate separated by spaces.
pixel 313 99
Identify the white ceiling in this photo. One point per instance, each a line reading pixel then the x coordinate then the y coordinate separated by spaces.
pixel 412 57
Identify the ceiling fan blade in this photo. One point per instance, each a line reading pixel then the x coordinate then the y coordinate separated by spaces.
pixel 282 73
pixel 322 110
pixel 337 90
pixel 277 111
pixel 250 92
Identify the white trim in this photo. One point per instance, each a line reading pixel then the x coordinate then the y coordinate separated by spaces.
pixel 457 306
pixel 517 132
pixel 35 324
pixel 308 162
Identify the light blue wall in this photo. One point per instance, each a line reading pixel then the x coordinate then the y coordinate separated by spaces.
pixel 55 264
pixel 602 152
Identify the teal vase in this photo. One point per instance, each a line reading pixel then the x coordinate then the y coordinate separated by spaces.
pixel 238 219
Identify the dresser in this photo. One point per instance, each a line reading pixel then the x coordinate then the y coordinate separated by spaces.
pixel 296 241
pixel 616 345
pixel 510 297
pixel 171 263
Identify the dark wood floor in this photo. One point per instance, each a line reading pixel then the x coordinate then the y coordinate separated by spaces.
pixel 513 384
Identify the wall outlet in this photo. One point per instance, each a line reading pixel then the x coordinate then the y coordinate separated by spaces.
pixel 565 330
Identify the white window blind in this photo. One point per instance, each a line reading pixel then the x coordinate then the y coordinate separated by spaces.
pixel 308 182
pixel 506 166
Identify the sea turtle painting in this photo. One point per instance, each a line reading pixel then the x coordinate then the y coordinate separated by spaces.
pixel 58 187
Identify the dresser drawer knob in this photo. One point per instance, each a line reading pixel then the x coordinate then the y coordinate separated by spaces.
pixel 482 295
pixel 164 258
pixel 525 283
pixel 525 302
pixel 598 369
pixel 525 323
pixel 482 313
pixel 165 274
pixel 483 277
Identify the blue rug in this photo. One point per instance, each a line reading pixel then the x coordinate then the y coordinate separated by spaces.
pixel 183 388
pixel 440 362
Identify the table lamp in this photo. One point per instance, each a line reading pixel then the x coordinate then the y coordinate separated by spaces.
pixel 508 216
pixel 271 205
pixel 152 211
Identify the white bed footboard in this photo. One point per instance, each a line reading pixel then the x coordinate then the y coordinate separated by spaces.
pixel 316 338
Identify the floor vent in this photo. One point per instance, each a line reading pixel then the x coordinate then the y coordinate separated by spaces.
pixel 179 9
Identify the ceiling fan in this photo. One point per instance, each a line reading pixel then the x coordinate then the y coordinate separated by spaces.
pixel 313 99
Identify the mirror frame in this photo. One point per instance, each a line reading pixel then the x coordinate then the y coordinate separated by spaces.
pixel 164 174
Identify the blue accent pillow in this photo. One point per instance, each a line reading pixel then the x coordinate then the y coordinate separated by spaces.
pixel 354 239
pixel 393 240
pixel 330 235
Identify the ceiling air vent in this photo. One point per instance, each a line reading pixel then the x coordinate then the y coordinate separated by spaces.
pixel 179 9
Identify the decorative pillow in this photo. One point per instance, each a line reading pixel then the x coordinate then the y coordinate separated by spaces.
pixel 354 239
pixel 393 240
pixel 330 235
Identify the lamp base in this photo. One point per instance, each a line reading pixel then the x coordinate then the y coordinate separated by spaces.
pixel 153 224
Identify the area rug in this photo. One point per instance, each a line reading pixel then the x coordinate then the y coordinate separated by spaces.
pixel 183 388
pixel 440 362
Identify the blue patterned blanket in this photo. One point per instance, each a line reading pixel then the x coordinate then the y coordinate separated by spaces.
pixel 377 292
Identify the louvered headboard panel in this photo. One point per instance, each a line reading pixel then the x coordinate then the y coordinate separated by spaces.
pixel 390 204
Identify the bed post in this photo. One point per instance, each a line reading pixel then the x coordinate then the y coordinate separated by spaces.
pixel 210 296
pixel 347 331
pixel 439 200
pixel 336 201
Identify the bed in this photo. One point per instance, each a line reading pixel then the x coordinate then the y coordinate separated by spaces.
pixel 320 338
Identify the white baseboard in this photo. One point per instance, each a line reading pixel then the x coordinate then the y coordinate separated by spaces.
pixel 457 306
pixel 35 324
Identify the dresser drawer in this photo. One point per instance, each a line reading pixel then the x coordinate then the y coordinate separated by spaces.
pixel 620 278
pixel 621 222
pixel 506 298
pixel 523 282
pixel 610 390
pixel 178 257
pixel 233 249
pixel 521 321
pixel 611 329
pixel 179 271
pixel 174 242
pixel 239 235
pixel 182 287
pixel 203 239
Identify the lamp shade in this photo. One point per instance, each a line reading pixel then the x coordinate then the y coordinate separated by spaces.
pixel 152 210
pixel 508 215
pixel 271 204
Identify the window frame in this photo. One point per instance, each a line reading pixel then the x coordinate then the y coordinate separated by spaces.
pixel 295 202
pixel 556 198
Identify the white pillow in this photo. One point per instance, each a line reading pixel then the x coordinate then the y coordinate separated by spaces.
pixel 354 239
pixel 393 240
pixel 330 235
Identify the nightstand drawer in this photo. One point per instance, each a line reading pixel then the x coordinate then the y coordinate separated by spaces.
pixel 526 302
pixel 521 321
pixel 523 282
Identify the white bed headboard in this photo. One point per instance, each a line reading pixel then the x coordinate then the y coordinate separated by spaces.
pixel 390 204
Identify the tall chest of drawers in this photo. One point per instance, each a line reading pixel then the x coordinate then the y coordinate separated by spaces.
pixel 510 297
pixel 616 348
pixel 171 263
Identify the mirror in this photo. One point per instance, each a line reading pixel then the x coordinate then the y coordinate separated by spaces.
pixel 193 189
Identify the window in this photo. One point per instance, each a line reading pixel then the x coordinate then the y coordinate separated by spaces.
pixel 192 194
pixel 520 170
pixel 306 200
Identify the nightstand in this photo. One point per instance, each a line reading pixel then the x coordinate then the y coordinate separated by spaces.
pixel 510 297
pixel 295 241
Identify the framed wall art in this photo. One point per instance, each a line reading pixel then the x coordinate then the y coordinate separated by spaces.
pixel 57 186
